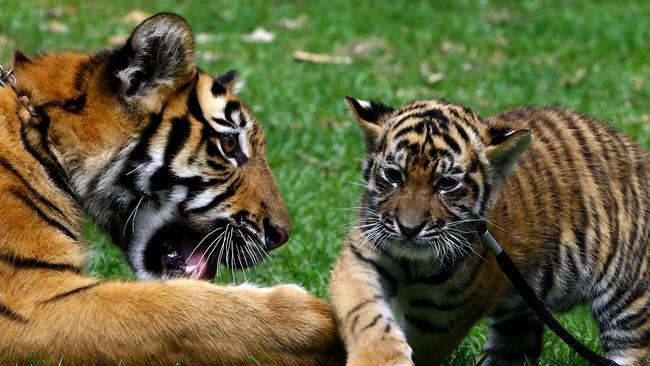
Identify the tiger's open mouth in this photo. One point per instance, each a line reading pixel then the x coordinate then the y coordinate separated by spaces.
pixel 179 251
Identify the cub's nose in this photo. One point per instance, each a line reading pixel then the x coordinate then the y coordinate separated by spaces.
pixel 274 235
pixel 409 229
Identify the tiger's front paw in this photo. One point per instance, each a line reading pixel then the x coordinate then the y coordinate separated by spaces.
pixel 397 353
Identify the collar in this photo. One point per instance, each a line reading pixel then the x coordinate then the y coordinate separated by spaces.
pixel 8 79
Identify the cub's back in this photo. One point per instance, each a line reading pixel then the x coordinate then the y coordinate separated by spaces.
pixel 580 193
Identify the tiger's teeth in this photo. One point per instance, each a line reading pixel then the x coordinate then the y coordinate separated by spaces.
pixel 190 269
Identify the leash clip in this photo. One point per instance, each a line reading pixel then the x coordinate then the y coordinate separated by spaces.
pixel 8 78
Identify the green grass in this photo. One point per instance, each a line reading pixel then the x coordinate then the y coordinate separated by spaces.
pixel 588 56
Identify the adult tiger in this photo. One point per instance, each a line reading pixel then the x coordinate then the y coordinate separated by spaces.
pixel 570 206
pixel 169 160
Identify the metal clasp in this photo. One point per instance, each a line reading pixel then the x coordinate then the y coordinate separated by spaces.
pixel 8 78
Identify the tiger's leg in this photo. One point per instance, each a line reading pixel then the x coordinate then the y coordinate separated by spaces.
pixel 514 338
pixel 433 348
pixel 365 319
pixel 191 322
pixel 624 320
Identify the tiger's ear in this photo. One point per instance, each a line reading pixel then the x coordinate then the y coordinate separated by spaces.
pixel 157 58
pixel 228 81
pixel 370 116
pixel 505 148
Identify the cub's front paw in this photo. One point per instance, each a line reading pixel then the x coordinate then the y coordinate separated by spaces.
pixel 397 353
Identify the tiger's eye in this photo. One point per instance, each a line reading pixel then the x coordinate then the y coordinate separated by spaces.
pixel 393 176
pixel 447 184
pixel 229 144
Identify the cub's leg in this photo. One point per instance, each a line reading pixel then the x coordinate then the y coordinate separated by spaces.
pixel 361 305
pixel 432 348
pixel 514 338
pixel 624 319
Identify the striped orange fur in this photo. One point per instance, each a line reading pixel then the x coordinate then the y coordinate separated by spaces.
pixel 172 163
pixel 565 195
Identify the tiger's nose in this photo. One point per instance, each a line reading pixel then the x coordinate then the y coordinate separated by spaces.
pixel 274 235
pixel 410 229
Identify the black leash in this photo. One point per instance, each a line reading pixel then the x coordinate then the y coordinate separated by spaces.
pixel 510 270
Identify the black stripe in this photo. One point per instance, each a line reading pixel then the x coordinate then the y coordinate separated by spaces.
pixel 435 279
pixel 75 105
pixel 547 267
pixel 355 321
pixel 231 107
pixel 139 153
pixel 383 272
pixel 487 191
pixel 633 321
pixel 612 342
pixel 451 143
pixel 623 297
pixel 412 106
pixel 218 199
pixel 635 285
pixel 372 323
pixel 417 128
pixel 468 123
pixel 52 168
pixel 499 135
pixel 461 131
pixel 177 137
pixel 164 177
pixel 194 106
pixel 217 89
pixel 216 166
pixel 222 122
pixel 613 210
pixel 433 115
pixel 8 313
pixel 52 222
pixel 71 292
pixel 30 263
pixel 5 164
pixel 361 305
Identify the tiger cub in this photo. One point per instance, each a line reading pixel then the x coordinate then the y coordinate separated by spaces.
pixel 565 195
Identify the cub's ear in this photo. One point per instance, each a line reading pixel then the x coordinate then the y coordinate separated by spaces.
pixel 157 58
pixel 370 116
pixel 505 148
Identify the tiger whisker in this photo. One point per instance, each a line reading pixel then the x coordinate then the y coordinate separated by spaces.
pixel 132 217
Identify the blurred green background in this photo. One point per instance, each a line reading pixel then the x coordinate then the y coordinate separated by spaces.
pixel 593 57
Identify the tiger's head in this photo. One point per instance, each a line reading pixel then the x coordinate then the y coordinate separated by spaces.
pixel 432 171
pixel 163 155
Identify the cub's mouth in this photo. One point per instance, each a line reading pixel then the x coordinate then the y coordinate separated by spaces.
pixel 176 250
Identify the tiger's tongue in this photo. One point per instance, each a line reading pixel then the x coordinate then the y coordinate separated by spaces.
pixel 196 266
pixel 196 260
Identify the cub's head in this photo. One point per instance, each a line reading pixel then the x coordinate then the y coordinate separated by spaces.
pixel 432 170
pixel 163 155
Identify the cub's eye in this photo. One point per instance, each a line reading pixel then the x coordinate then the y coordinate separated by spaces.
pixel 393 176
pixel 229 143
pixel 447 184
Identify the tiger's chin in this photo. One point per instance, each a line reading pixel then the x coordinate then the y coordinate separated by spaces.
pixel 416 250
pixel 179 251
